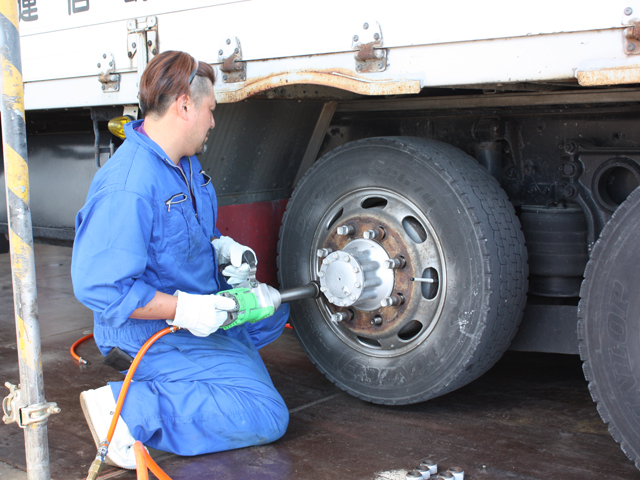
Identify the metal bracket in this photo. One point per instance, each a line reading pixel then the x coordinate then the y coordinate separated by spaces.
pixel 107 75
pixel 632 37
pixel 371 57
pixel 142 31
pixel 142 41
pixel 233 69
pixel 15 411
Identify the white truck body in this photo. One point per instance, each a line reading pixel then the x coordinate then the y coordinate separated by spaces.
pixel 284 43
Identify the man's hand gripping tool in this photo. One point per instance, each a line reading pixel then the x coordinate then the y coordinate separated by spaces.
pixel 256 301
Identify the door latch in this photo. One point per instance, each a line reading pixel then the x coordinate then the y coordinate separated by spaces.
pixel 370 56
pixel 107 75
pixel 233 69
pixel 142 40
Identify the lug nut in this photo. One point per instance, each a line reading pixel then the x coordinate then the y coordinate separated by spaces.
pixel 346 230
pixel 424 471
pixel 413 475
pixel 377 320
pixel 457 472
pixel 377 233
pixel 431 464
pixel 339 317
pixel 392 300
pixel 324 252
pixel 395 263
pixel 444 476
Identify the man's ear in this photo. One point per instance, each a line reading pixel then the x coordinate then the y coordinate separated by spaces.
pixel 183 106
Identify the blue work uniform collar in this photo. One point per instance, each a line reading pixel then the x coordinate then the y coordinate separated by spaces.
pixel 137 137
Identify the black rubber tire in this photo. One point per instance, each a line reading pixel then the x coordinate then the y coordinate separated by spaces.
pixel 608 326
pixel 484 252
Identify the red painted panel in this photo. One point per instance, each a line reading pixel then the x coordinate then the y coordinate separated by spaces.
pixel 256 225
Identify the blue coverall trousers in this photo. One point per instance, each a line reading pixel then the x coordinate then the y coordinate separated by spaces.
pixel 193 395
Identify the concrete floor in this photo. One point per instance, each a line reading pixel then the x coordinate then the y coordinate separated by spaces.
pixel 530 417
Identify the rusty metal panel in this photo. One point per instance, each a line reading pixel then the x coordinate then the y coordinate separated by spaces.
pixel 254 152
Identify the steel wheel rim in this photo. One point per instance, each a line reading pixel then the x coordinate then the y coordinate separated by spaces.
pixel 400 216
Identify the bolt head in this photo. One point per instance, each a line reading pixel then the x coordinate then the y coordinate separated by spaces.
pixel 241 76
pixel 149 43
pixel 357 284
pixel 130 55
pixel 352 298
pixel 569 169
pixel 320 274
pixel 104 55
pixel 376 36
pixel 224 77
pixel 365 26
pixel 347 258
pixel 154 51
pixel 369 234
pixel 99 65
pixel 385 302
pixel 325 261
pixel 380 65
pixel 235 50
pixel 628 11
pixel 323 289
pixel 359 67
pixel 133 45
pixel 356 270
pixel 220 52
pixel 387 264
pixel 103 87
pixel 631 47
pixel 111 64
pixel 355 38
pixel 335 255
pixel 228 41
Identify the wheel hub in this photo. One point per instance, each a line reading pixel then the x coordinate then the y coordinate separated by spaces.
pixel 357 275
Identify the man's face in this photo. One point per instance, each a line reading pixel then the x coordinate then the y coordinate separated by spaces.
pixel 203 123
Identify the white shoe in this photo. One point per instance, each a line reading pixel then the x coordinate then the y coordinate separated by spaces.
pixel 98 407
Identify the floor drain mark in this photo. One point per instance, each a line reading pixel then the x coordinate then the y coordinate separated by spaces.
pixel 311 404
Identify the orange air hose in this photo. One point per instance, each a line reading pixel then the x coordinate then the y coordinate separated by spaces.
pixel 79 359
pixel 143 459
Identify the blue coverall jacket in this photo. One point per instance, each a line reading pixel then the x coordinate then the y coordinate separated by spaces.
pixel 147 226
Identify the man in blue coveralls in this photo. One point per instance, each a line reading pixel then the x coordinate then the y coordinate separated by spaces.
pixel 146 253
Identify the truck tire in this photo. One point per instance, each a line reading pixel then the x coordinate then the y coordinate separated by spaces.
pixel 608 327
pixel 452 223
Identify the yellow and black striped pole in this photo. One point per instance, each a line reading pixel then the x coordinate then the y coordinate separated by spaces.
pixel 34 409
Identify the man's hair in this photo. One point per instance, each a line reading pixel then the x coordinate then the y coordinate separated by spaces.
pixel 167 77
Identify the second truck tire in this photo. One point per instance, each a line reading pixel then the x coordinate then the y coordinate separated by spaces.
pixel 453 228
pixel 608 327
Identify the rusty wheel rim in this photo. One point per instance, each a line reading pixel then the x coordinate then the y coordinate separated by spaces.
pixel 409 235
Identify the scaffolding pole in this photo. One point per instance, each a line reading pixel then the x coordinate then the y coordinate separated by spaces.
pixel 26 404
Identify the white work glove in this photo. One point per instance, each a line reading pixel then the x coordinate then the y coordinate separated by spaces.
pixel 229 251
pixel 201 314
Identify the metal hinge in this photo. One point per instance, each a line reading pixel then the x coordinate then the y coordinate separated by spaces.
pixel 371 57
pixel 107 75
pixel 631 33
pixel 230 56
pixel 143 40
pixel 15 410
